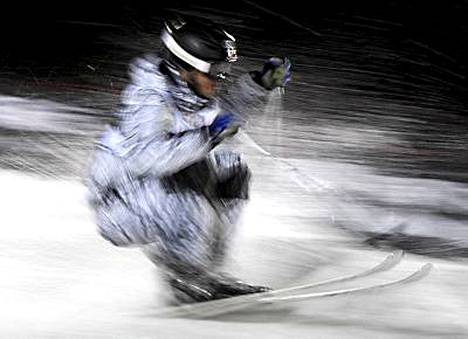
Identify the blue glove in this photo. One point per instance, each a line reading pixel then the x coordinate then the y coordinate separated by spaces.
pixel 221 123
pixel 276 72
pixel 224 126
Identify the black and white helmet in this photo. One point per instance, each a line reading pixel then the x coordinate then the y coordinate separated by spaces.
pixel 201 45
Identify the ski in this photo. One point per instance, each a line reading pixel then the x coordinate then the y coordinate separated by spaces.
pixel 417 275
pixel 387 263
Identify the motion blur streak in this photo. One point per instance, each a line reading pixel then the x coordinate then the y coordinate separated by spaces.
pixel 365 154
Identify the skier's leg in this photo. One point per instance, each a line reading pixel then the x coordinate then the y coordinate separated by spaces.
pixel 193 235
pixel 175 225
pixel 232 178
pixel 231 193
pixel 185 253
pixel 172 226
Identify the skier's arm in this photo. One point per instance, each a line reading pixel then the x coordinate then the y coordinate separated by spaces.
pixel 252 90
pixel 244 96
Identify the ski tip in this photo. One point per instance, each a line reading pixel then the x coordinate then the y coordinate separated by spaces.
pixel 426 268
pixel 392 260
pixel 422 272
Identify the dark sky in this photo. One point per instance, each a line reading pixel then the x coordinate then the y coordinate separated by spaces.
pixel 46 32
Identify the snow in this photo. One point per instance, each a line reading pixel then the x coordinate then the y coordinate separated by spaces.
pixel 59 278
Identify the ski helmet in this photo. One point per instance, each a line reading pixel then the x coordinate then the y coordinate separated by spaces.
pixel 200 45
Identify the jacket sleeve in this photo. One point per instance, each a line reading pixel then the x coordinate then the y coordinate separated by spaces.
pixel 244 97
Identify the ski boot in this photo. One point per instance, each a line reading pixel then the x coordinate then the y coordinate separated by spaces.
pixel 198 290
pixel 227 287
pixel 186 292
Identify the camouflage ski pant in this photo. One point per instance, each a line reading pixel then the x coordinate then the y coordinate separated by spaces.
pixel 182 221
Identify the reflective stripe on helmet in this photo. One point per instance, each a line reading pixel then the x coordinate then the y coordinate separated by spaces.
pixel 179 52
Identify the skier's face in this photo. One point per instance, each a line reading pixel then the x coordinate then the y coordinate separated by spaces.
pixel 201 83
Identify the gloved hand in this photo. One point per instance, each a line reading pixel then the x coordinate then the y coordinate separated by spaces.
pixel 224 125
pixel 220 123
pixel 276 72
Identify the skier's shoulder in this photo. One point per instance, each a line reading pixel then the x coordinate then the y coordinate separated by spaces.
pixel 145 74
pixel 147 86
pixel 146 63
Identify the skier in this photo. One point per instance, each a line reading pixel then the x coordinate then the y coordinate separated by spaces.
pixel 156 182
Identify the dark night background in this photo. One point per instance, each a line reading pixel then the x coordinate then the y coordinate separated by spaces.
pixel 413 53
pixel 48 35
